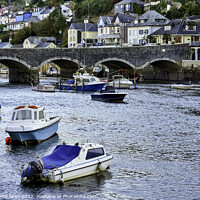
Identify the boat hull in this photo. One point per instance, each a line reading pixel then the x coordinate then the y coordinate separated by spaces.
pixel 44 88
pixel 35 135
pixel 181 86
pixel 78 171
pixel 121 85
pixel 88 87
pixel 108 97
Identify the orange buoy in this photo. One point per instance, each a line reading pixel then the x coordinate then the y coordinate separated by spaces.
pixel 8 141
pixel 34 107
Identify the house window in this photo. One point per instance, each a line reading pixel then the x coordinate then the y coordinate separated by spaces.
pixel 140 41
pixel 135 33
pixel 141 32
pixel 190 28
pixel 101 30
pixel 117 30
pixel 167 28
pixel 146 31
pixel 142 21
pixel 129 32
pixel 177 39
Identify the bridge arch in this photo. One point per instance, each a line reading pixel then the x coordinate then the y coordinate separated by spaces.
pixel 19 70
pixel 115 63
pixel 11 62
pixel 160 60
pixel 67 65
pixel 162 69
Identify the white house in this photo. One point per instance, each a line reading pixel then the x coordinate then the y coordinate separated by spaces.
pixel 144 25
pixel 67 12
pixel 113 30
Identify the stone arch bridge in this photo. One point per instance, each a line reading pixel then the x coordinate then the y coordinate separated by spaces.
pixel 24 64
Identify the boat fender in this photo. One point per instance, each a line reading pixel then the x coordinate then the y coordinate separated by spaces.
pixel 8 141
pixel 101 167
pixel 61 180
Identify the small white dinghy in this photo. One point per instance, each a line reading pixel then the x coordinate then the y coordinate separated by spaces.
pixel 67 162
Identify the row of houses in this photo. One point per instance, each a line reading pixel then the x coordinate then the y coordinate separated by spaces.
pixel 130 29
pixel 14 21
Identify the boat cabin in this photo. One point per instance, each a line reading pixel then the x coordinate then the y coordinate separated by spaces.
pixel 30 112
pixel 85 77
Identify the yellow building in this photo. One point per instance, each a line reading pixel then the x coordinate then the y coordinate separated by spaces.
pixel 82 35
pixel 179 31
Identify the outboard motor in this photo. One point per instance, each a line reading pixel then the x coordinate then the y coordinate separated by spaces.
pixel 33 172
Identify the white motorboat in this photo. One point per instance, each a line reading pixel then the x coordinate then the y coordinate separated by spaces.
pixel 4 70
pixel 29 124
pixel 182 86
pixel 120 82
pixel 67 162
pixel 53 71
pixel 44 88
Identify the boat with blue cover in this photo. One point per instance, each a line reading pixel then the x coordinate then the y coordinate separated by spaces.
pixel 67 162
pixel 29 124
pixel 109 94
pixel 82 82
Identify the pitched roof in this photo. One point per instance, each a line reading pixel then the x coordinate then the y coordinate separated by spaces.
pixel 43 45
pixel 33 19
pixel 83 26
pixel 152 18
pixel 40 40
pixel 3 44
pixel 178 27
pixel 129 1
pixel 125 18
pixel 46 11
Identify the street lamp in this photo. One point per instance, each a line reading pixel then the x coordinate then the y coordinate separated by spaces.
pixel 85 22
pixel 60 31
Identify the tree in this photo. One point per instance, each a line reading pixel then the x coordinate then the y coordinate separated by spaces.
pixel 150 39
pixel 22 34
pixel 51 25
pixel 166 37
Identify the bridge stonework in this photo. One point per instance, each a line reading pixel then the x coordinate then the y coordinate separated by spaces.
pixel 24 63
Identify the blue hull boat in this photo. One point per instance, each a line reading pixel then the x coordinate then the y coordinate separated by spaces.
pixel 29 124
pixel 36 135
pixel 82 82
pixel 94 87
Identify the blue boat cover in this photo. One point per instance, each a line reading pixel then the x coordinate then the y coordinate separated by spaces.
pixel 60 156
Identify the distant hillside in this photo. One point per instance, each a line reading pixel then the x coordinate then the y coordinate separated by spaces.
pixel 96 8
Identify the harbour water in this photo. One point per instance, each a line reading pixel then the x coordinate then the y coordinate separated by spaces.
pixel 154 138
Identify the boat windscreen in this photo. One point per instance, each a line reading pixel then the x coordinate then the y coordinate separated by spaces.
pixel 60 156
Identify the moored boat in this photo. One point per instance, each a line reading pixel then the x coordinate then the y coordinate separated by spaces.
pixel 120 82
pixel 44 88
pixel 29 124
pixel 182 86
pixel 4 70
pixel 109 94
pixel 67 162
pixel 82 82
